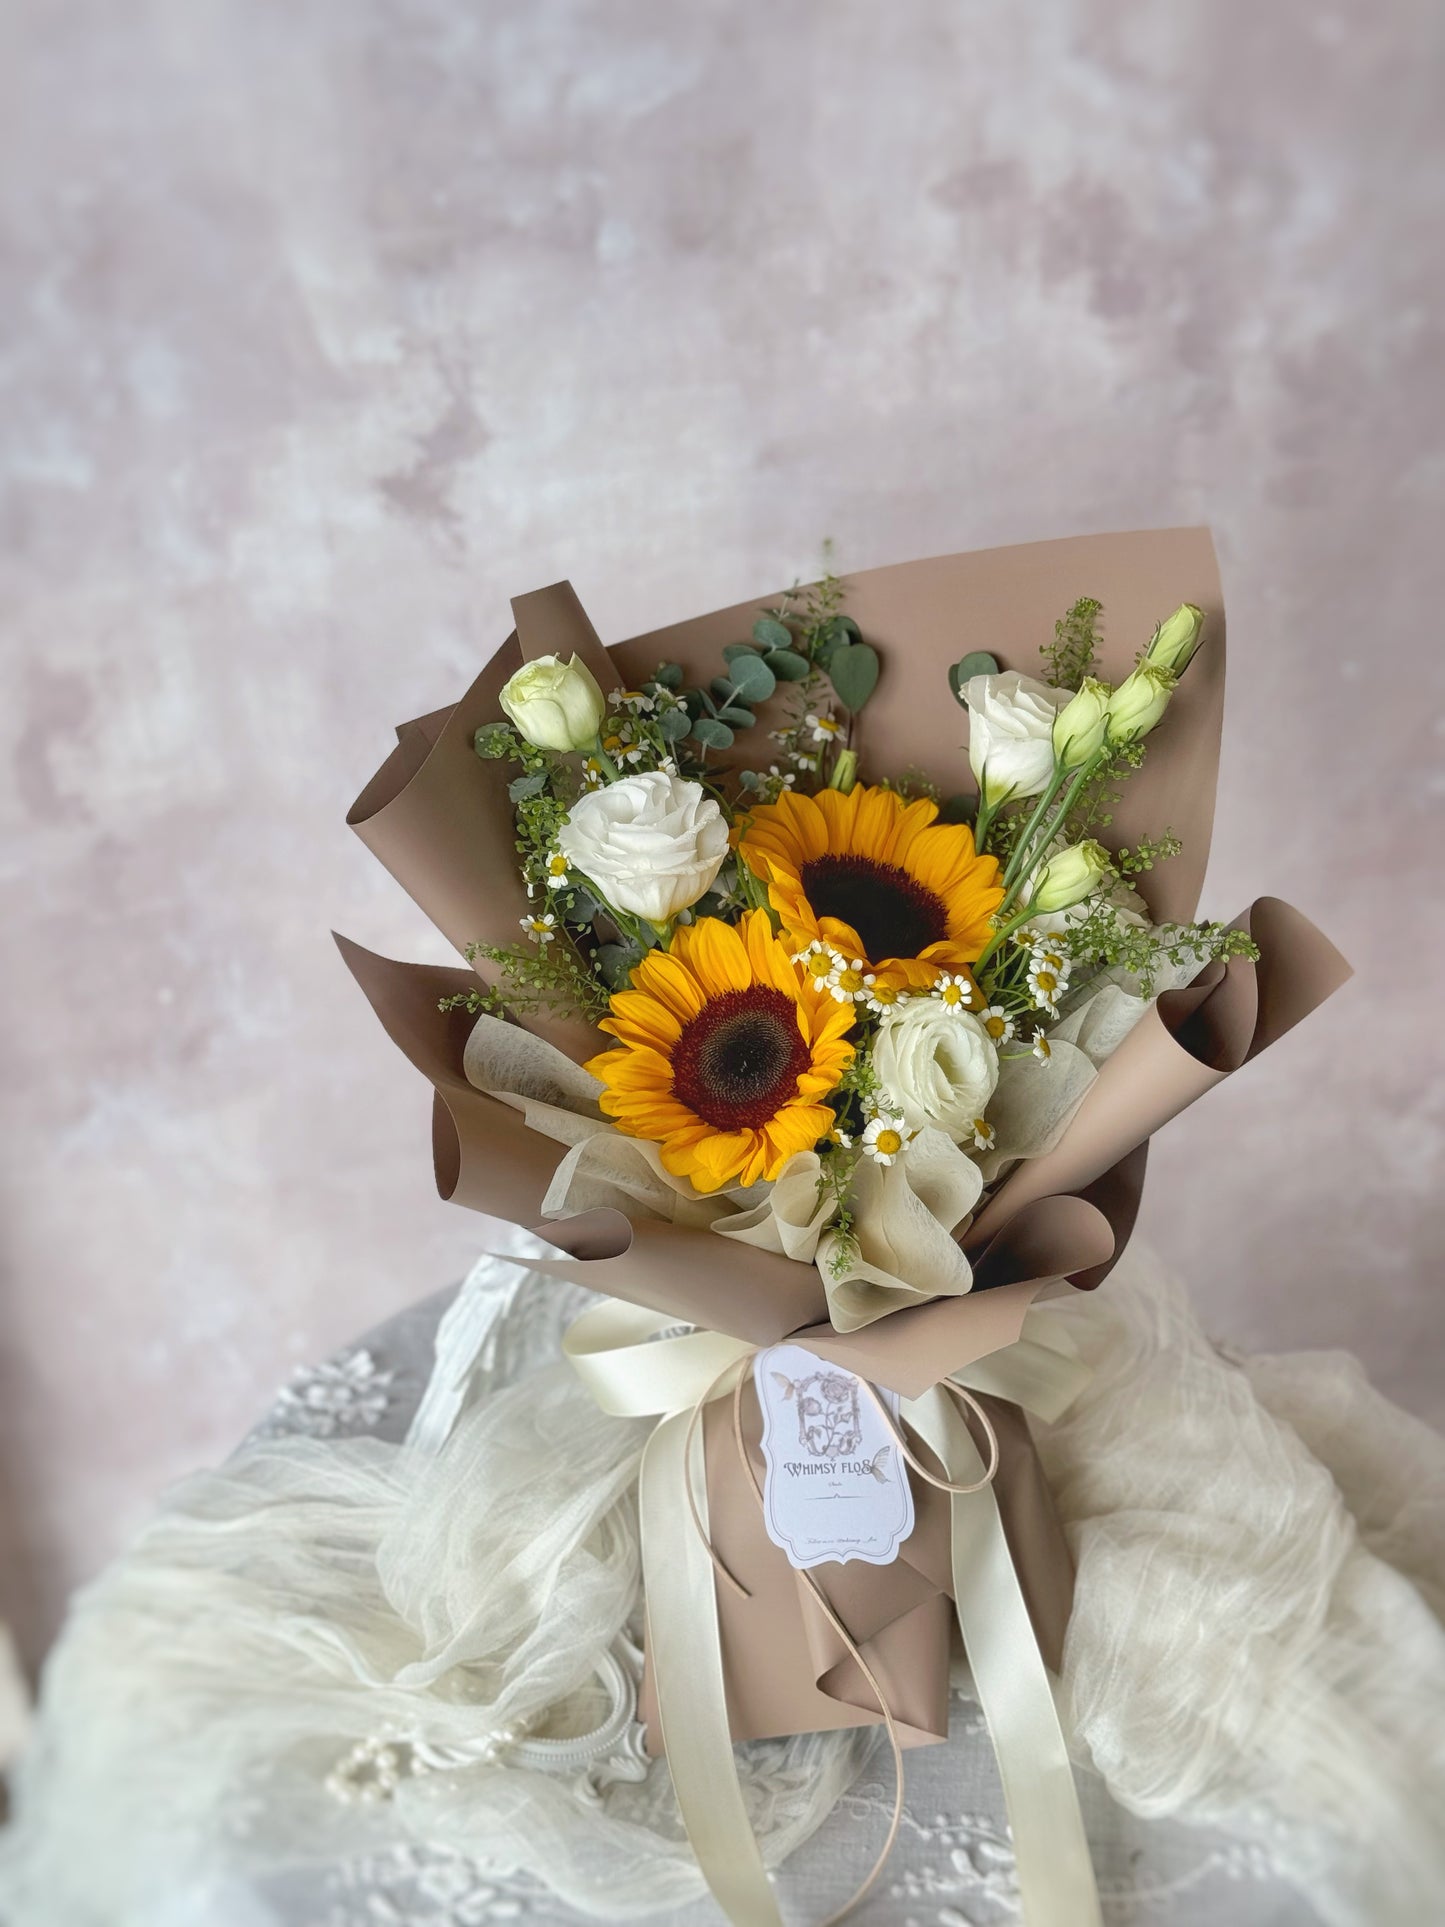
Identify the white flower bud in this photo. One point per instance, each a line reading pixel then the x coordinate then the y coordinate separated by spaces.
pixel 1139 701
pixel 555 704
pixel 1010 734
pixel 1176 639
pixel 1080 725
pixel 1069 877
pixel 651 844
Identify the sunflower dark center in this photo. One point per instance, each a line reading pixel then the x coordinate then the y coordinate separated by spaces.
pixel 894 914
pixel 737 1062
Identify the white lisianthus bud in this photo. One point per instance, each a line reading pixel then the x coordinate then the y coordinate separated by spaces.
pixel 1011 734
pixel 1176 639
pixel 555 704
pixel 938 1066
pixel 1080 725
pixel 651 844
pixel 1069 877
pixel 1139 701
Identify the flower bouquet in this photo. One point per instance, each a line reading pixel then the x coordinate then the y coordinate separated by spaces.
pixel 828 1050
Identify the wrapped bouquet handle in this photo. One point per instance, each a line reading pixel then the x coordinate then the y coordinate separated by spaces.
pixel 636 1364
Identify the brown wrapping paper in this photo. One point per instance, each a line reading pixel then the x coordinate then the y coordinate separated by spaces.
pixel 440 820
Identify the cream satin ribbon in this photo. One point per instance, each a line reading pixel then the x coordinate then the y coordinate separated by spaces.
pixel 636 1364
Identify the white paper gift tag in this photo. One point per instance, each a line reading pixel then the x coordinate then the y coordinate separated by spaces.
pixel 834 1485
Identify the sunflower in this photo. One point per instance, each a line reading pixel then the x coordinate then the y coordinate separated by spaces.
pixel 875 877
pixel 727 1051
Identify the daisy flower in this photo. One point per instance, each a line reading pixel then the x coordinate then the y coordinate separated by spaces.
pixel 540 929
pixel 997 1022
pixel 556 871
pixel 823 729
pixel 850 981
pixel 819 962
pixel 982 1134
pixel 954 990
pixel 621 750
pixel 1047 985
pixel 885 1139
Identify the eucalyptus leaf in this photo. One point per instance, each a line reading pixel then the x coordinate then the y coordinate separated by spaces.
pixel 752 679
pixel 616 963
pixel 978 663
pixel 853 672
pixel 735 649
pixel 787 665
pixel 584 907
pixel 669 674
pixel 674 723
pixel 738 717
pixel 713 734
pixel 521 787
pixel 772 634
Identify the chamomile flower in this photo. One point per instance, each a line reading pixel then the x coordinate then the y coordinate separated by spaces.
pixel 1043 1049
pixel 1052 958
pixel 823 729
pixel 850 981
pixel 881 998
pixel 540 929
pixel 982 1134
pixel 668 766
pixel 1048 980
pixel 885 1139
pixel 593 774
pixel 997 1022
pixel 955 991
pixel 843 1139
pixel 621 749
pixel 819 961
pixel 555 871
pixel 784 779
pixel 636 701
pixel 806 763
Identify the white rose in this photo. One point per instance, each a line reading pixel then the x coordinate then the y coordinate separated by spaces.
pixel 652 844
pixel 1011 733
pixel 554 704
pixel 937 1064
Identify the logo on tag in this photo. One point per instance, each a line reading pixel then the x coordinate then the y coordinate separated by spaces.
pixel 835 1486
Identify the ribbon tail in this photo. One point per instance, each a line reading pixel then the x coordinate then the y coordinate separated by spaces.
pixel 1055 1874
pixel 686 1653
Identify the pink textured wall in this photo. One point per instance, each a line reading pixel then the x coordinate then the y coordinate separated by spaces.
pixel 328 327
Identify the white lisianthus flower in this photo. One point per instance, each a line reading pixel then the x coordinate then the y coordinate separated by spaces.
pixel 554 704
pixel 1011 733
pixel 1177 638
pixel 651 844
pixel 1139 702
pixel 1080 726
pixel 1070 876
pixel 938 1066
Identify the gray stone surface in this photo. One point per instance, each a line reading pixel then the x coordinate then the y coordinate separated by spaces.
pixel 329 326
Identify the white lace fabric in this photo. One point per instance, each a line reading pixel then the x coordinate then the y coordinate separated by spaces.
pixel 296 1700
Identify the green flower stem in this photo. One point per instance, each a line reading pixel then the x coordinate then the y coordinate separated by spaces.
pixel 1004 930
pixel 1020 849
pixel 610 769
pixel 1047 834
